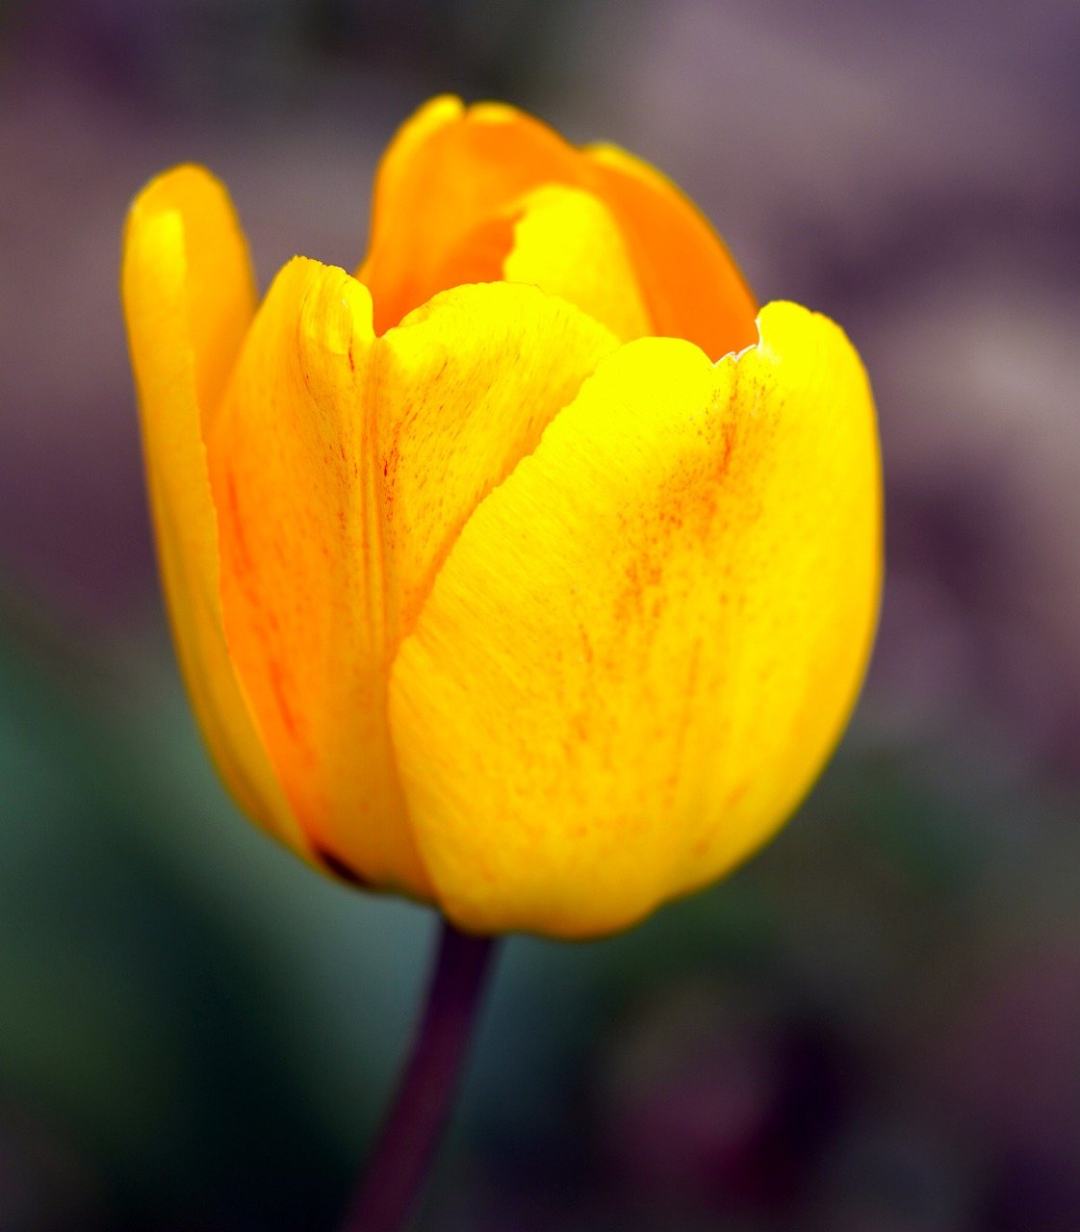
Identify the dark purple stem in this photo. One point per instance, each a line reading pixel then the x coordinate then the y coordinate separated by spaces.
pixel 399 1164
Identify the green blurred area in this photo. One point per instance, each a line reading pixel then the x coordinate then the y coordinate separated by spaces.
pixel 198 1032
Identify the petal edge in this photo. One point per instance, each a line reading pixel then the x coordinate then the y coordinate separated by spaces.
pixel 188 297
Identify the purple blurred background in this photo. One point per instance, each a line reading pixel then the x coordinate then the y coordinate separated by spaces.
pixel 875 1026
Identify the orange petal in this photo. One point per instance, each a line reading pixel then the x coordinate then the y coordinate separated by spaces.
pixel 448 170
pixel 451 170
pixel 693 288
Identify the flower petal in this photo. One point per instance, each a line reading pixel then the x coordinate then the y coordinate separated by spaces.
pixel 644 642
pixel 188 298
pixel 692 286
pixel 562 240
pixel 448 170
pixel 464 388
pixel 292 464
pixel 451 169
pixel 343 467
pixel 567 243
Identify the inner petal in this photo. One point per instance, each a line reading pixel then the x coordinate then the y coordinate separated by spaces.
pixel 564 241
pixel 450 171
pixel 568 243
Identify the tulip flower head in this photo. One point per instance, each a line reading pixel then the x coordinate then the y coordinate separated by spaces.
pixel 529 571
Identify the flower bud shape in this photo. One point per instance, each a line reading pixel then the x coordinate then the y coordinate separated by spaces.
pixel 529 571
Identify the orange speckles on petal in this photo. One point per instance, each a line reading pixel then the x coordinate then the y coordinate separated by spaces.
pixel 237 544
pixel 277 686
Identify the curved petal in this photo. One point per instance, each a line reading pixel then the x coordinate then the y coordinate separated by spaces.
pixel 343 466
pixel 447 170
pixel 567 243
pixel 188 299
pixel 292 463
pixel 451 169
pixel 644 643
pixel 690 282
pixel 465 386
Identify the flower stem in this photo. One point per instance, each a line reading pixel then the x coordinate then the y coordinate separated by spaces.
pixel 398 1166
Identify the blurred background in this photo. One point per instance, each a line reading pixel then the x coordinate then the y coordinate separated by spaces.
pixel 875 1025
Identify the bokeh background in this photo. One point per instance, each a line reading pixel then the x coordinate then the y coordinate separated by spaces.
pixel 875 1025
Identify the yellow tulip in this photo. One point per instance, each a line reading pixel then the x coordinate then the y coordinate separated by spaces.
pixel 527 572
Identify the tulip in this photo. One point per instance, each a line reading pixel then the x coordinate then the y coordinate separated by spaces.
pixel 530 571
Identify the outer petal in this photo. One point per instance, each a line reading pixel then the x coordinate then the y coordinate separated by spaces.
pixel 292 463
pixel 450 169
pixel 188 298
pixel 343 467
pixel 645 642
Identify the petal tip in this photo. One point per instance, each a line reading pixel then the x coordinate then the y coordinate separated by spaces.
pixel 334 307
pixel 173 188
pixel 436 113
pixel 786 328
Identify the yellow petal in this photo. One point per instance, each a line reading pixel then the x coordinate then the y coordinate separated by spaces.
pixel 451 170
pixel 646 640
pixel 292 464
pixel 464 387
pixel 567 243
pixel 563 241
pixel 343 466
pixel 188 298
